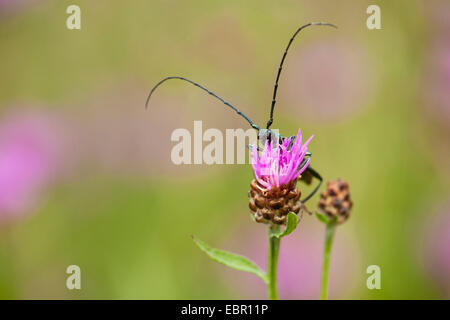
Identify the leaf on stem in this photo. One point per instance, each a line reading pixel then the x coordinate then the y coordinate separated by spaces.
pixel 322 218
pixel 291 225
pixel 231 260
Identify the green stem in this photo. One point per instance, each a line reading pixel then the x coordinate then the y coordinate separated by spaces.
pixel 329 235
pixel 272 261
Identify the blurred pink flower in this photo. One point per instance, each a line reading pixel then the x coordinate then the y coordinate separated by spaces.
pixel 27 161
pixel 436 80
pixel 436 248
pixel 437 13
pixel 7 3
pixel 280 164
pixel 115 134
pixel 300 263
pixel 434 85
pixel 224 44
pixel 327 80
pixel 11 6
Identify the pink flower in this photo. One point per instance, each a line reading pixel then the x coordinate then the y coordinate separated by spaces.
pixel 280 164
pixel 28 160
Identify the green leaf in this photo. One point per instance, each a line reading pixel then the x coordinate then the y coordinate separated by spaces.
pixel 291 225
pixel 322 218
pixel 334 220
pixel 231 260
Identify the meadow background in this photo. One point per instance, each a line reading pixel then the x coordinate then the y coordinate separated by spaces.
pixel 85 170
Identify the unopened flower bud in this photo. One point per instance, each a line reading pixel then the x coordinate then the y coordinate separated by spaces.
pixel 335 201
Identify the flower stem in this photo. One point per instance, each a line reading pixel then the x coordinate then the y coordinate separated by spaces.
pixel 272 261
pixel 329 235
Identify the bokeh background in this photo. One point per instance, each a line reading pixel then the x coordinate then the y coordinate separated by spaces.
pixel 85 170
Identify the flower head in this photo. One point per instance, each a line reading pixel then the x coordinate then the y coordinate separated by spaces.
pixel 280 163
pixel 273 192
pixel 335 201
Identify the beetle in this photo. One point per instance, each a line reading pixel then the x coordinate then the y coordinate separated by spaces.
pixel 264 134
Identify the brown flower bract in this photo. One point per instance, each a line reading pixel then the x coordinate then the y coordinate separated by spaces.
pixel 274 205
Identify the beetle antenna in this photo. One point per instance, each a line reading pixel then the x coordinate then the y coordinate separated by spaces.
pixel 269 123
pixel 255 126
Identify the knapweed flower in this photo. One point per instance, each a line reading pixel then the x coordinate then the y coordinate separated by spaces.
pixel 273 192
pixel 28 160
pixel 335 201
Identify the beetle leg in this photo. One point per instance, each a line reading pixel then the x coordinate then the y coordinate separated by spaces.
pixel 316 175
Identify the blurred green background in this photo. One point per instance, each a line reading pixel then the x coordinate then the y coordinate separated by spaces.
pixel 98 189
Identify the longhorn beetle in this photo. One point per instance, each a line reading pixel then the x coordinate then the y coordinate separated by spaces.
pixel 264 134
